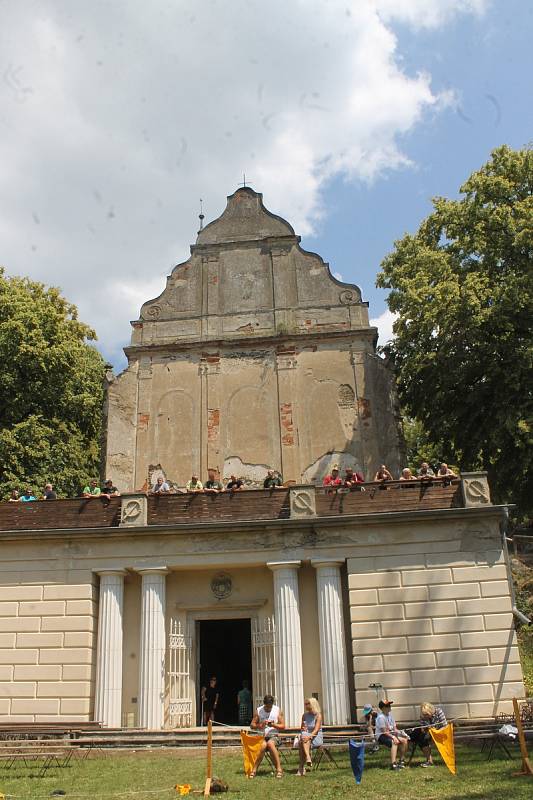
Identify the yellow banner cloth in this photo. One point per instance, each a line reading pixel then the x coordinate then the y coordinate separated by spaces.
pixel 251 746
pixel 443 738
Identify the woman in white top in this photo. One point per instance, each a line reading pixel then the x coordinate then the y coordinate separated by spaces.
pixel 269 719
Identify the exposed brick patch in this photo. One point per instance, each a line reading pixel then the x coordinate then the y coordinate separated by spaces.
pixel 143 421
pixel 211 358
pixel 363 404
pixel 287 425
pixel 213 424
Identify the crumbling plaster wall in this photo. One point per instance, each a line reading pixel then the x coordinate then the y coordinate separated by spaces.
pixel 297 408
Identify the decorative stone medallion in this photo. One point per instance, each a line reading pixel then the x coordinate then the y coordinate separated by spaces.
pixel 133 511
pixel 302 502
pixel 348 297
pixel 476 490
pixel 221 585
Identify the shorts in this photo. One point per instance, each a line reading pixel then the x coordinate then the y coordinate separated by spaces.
pixel 386 740
pixel 272 737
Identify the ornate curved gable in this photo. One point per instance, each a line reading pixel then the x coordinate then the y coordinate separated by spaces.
pixel 248 277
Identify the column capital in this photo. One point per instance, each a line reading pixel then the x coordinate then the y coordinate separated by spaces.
pixel 110 571
pixel 277 565
pixel 157 570
pixel 327 562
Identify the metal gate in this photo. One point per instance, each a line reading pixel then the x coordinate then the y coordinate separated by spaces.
pixel 179 679
pixel 263 658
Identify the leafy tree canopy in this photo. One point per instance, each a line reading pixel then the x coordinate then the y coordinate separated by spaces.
pixel 51 391
pixel 463 353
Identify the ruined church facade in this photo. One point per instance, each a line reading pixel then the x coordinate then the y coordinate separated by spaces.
pixel 253 357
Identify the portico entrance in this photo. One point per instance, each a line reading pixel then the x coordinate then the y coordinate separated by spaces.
pixel 225 652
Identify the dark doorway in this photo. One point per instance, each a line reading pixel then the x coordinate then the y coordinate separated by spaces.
pixel 226 653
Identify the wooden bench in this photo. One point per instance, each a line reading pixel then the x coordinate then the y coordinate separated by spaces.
pixel 47 756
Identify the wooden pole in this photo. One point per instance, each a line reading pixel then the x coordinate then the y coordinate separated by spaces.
pixel 527 768
pixel 209 773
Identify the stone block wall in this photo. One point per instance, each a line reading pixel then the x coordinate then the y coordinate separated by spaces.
pixel 47 651
pixel 434 627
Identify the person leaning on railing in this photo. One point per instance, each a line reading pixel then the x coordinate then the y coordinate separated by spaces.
pixel 383 476
pixel 273 480
pixel 92 489
pixel 333 480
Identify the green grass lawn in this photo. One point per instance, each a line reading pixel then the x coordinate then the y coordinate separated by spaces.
pixel 152 775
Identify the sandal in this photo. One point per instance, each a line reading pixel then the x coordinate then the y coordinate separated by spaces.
pixel 252 774
pixel 279 774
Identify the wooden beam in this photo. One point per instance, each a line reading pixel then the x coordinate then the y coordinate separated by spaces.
pixel 527 768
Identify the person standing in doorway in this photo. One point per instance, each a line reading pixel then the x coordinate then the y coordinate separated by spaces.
pixel 244 704
pixel 210 697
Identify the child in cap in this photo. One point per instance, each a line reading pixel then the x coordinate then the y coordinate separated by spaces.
pixel 387 733
pixel 369 720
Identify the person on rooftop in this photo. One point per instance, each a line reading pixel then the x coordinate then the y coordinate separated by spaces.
pixel 235 484
pixel 213 485
pixel 383 475
pixel 272 480
pixel 27 497
pixel 160 486
pixel 14 497
pixel 445 472
pixel 351 479
pixel 333 480
pixel 195 485
pixel 425 472
pixel 108 489
pixel 92 490
pixel 48 492
pixel 407 475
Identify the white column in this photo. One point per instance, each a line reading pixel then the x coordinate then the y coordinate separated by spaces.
pixel 152 648
pixel 108 699
pixel 335 692
pixel 289 669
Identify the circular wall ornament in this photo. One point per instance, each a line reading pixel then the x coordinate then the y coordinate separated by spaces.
pixel 348 297
pixel 153 311
pixel 221 585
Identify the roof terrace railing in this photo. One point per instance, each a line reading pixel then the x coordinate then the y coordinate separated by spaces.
pixel 292 502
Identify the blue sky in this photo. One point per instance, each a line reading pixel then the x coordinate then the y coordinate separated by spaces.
pixel 487 61
pixel 116 116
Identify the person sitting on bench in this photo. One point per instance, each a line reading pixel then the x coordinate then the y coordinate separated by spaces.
pixel 311 735
pixel 430 716
pixel 269 719
pixel 369 721
pixel 388 734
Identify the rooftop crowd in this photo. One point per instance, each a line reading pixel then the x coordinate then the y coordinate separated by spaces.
pixel 351 480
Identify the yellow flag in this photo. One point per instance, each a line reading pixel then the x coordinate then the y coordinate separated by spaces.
pixel 443 738
pixel 251 745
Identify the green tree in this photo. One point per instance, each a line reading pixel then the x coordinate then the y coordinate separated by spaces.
pixel 462 287
pixel 51 391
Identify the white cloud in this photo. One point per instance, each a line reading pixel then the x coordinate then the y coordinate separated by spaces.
pixel 384 324
pixel 115 118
